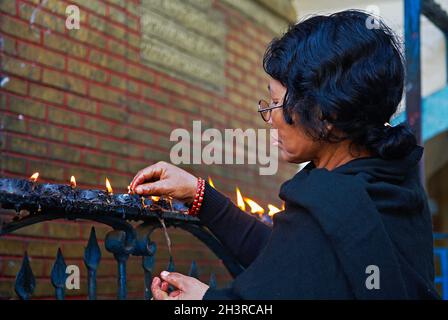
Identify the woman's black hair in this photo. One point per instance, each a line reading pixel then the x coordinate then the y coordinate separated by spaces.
pixel 345 71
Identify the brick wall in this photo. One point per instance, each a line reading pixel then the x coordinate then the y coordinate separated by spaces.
pixel 92 103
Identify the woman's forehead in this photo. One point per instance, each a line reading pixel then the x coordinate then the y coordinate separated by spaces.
pixel 275 87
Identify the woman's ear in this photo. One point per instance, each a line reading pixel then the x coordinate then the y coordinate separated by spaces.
pixel 327 129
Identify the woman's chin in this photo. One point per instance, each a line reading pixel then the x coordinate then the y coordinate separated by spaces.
pixel 285 156
pixel 291 158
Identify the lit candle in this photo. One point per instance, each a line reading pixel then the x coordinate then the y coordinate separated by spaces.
pixel 109 189
pixel 210 182
pixel 239 200
pixel 73 182
pixel 272 210
pixel 34 177
pixel 255 208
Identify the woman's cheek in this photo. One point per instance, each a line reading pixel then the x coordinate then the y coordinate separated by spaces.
pixel 285 153
pixel 284 156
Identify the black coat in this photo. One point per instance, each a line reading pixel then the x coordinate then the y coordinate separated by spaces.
pixel 336 223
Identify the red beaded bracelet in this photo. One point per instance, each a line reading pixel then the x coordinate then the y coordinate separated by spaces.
pixel 199 196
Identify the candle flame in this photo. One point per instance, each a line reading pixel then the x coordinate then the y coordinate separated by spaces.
pixel 73 182
pixel 254 207
pixel 283 206
pixel 239 200
pixel 155 198
pixel 34 177
pixel 272 210
pixel 210 182
pixel 109 187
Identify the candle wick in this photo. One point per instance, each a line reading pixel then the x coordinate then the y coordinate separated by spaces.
pixel 167 237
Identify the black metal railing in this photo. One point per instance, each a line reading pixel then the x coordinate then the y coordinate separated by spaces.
pixel 46 202
pixel 25 283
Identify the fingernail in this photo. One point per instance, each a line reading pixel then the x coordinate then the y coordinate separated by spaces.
pixel 164 274
pixel 138 189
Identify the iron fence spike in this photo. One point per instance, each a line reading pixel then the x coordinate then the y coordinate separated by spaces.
pixel 92 257
pixel 92 253
pixel 25 281
pixel 212 281
pixel 194 270
pixel 58 275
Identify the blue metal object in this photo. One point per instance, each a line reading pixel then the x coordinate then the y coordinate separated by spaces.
pixel 121 244
pixel 171 266
pixel 441 255
pixel 148 265
pixel 442 279
pixel 434 115
pixel 25 280
pixel 147 249
pixel 434 12
pixel 440 236
pixel 412 12
pixel 212 281
pixel 58 275
pixel 429 118
pixel 92 257
pixel 194 270
pixel 446 57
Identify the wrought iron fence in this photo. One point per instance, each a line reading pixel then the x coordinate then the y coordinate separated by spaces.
pixel 46 202
pixel 122 244
pixel 25 283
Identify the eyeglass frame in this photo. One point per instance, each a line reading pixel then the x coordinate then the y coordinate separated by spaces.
pixel 285 97
pixel 267 109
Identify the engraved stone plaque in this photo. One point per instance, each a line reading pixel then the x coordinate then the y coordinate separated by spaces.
pixel 184 39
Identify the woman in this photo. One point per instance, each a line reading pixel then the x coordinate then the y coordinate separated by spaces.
pixel 356 223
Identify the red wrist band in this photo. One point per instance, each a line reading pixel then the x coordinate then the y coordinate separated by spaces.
pixel 199 196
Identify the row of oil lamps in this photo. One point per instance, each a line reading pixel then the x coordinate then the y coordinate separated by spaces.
pixel 254 207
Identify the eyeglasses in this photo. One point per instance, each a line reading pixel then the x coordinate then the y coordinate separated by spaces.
pixel 265 109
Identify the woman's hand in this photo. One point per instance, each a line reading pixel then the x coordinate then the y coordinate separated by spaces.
pixel 187 288
pixel 164 179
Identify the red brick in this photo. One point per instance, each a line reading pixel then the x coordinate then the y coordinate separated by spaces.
pixel 46 93
pixel 18 28
pixel 44 56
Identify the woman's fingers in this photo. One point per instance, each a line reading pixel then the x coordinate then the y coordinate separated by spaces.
pixel 157 292
pixel 187 288
pixel 175 293
pixel 149 173
pixel 164 179
pixel 164 286
pixel 157 188
pixel 144 175
pixel 176 279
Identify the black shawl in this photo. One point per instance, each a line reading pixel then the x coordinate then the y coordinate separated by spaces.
pixel 368 212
